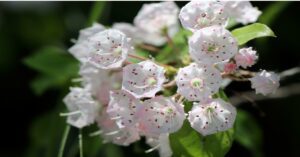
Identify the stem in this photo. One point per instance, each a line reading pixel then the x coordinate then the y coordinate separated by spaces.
pixel 96 12
pixel 137 57
pixel 80 143
pixel 63 141
pixel 149 47
pixel 169 84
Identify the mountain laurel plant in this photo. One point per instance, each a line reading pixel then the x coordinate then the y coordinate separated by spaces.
pixel 162 78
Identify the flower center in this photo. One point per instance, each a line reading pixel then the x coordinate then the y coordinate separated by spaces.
pixel 169 110
pixel 203 21
pixel 210 110
pixel 117 51
pixel 212 48
pixel 151 81
pixel 197 83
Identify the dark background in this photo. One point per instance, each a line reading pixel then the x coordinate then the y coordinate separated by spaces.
pixel 28 26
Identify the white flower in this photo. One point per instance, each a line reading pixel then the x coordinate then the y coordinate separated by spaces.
pixel 99 82
pixel 246 57
pixel 130 31
pixel 196 82
pixel 144 79
pixel 242 11
pixel 212 117
pixel 155 18
pixel 212 44
pixel 85 33
pixel 162 143
pixel 160 115
pixel 199 14
pixel 81 48
pixel 109 49
pixel 80 51
pixel 122 107
pixel 110 132
pixel 265 82
pixel 82 108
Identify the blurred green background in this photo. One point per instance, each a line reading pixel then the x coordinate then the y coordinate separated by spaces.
pixel 30 123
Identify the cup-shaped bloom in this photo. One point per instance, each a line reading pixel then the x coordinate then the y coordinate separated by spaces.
pixel 160 115
pixel 242 11
pixel 212 44
pixel 212 116
pixel 109 49
pixel 265 82
pixel 122 107
pixel 144 79
pixel 156 19
pixel 199 14
pixel 198 81
pixel 81 106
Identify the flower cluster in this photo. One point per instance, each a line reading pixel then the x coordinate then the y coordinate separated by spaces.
pixel 126 98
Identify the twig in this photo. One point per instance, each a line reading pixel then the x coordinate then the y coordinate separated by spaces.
pixel 169 84
pixel 281 92
pixel 149 47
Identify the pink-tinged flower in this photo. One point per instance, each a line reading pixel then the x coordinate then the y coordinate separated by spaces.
pixel 212 44
pixel 110 132
pixel 199 14
pixel 130 31
pixel 160 115
pixel 161 143
pixel 109 49
pixel 196 82
pixel 230 67
pixel 212 116
pixel 81 106
pixel 100 82
pixel 81 48
pixel 265 82
pixel 144 79
pixel 242 11
pixel 246 57
pixel 122 107
pixel 156 18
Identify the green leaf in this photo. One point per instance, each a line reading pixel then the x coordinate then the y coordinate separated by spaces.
pixel 52 61
pixel 247 33
pixel 189 143
pixel 55 66
pixel 248 133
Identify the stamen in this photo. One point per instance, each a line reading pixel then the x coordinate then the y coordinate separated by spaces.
pixel 96 133
pixel 70 113
pixel 113 132
pixel 152 149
